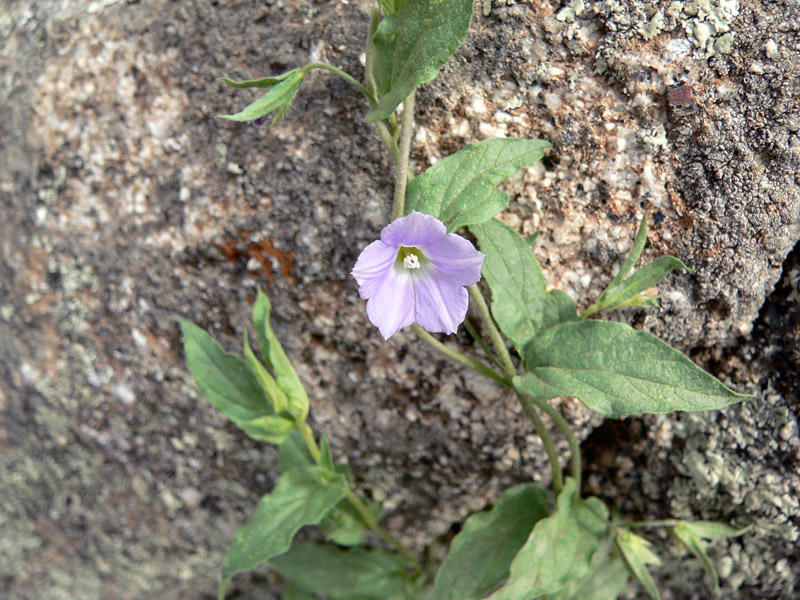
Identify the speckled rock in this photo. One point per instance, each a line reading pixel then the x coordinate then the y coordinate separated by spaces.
pixel 124 201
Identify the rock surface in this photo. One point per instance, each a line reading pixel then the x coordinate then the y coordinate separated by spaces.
pixel 124 201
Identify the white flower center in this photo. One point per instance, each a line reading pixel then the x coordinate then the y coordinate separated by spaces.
pixel 411 261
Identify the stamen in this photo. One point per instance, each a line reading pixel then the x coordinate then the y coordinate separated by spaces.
pixel 411 261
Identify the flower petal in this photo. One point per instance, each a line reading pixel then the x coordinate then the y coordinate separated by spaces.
pixel 372 266
pixel 416 229
pixel 391 306
pixel 456 257
pixel 441 303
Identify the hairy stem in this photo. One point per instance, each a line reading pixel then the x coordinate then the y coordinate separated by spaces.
pixel 474 333
pixel 401 175
pixel 549 446
pixel 575 459
pixel 356 502
pixel 370 522
pixel 457 356
pixel 494 334
pixel 662 523
pixel 347 77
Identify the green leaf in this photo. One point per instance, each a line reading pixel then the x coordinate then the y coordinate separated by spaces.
pixel 268 428
pixel 606 583
pixel 274 394
pixel 294 453
pixel 411 46
pixel 460 188
pixel 558 308
pixel 344 573
pixel 390 7
pixel 711 530
pixel 265 82
pixel 606 579
pixel 343 525
pixel 278 98
pixel 295 593
pixel 639 243
pixel 326 454
pixel 649 275
pixel 480 555
pixel 517 284
pixel 637 553
pixel 301 497
pixel 559 549
pixel 231 387
pixel 627 293
pixel 276 359
pixel 618 371
pixel 697 547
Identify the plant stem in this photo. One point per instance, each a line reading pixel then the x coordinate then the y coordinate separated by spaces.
pixel 575 460
pixel 531 404
pixel 346 76
pixel 370 522
pixel 355 501
pixel 386 128
pixel 474 333
pixel 401 175
pixel 549 446
pixel 457 356
pixel 589 311
pixel 494 334
pixel 662 523
pixel 308 438
pixel 369 65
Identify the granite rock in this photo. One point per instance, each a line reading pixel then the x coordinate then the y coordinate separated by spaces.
pixel 125 201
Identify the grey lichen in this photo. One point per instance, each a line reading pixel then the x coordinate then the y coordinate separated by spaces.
pixel 653 27
pixel 655 140
pixel 572 10
pixel 708 24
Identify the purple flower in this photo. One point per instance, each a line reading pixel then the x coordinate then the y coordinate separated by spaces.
pixel 416 273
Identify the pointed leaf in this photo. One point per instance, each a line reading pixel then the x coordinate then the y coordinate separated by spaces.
pixel 559 549
pixel 412 45
pixel 637 554
pixel 459 189
pixel 277 99
pixel 639 243
pixel 480 555
pixel 294 454
pixel 264 82
pixel 326 454
pixel 557 308
pixel 626 293
pixel 295 593
pixel 711 530
pixel 301 497
pixel 697 547
pixel 274 394
pixel 231 387
pixel 517 284
pixel 649 275
pixel 390 7
pixel 344 573
pixel 605 581
pixel 276 359
pixel 617 371
pixel 344 525
pixel 268 428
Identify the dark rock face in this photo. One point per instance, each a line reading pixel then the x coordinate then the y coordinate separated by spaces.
pixel 124 201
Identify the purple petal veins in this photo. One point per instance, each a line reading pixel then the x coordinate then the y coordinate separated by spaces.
pixel 416 273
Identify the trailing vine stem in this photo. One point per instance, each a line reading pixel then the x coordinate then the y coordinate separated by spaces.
pixel 356 502
pixel 549 446
pixel 401 175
